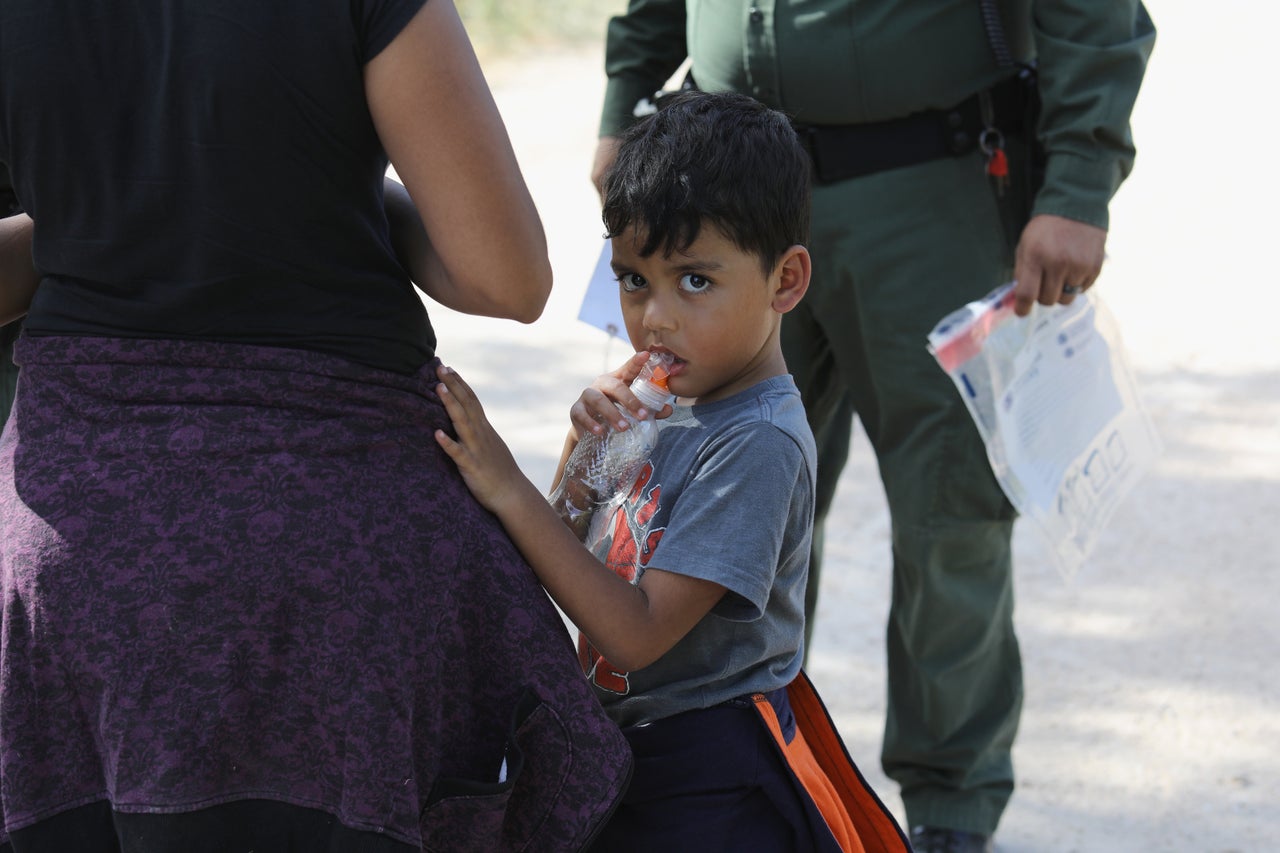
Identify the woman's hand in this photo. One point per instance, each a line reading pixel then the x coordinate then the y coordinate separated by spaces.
pixel 18 277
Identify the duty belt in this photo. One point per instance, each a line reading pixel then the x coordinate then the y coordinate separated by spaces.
pixel 840 152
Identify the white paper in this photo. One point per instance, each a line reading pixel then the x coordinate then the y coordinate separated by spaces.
pixel 600 304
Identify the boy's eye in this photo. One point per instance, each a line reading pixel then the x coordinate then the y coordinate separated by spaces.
pixel 694 283
pixel 631 282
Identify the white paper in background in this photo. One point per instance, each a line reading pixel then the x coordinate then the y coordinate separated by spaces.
pixel 1055 401
pixel 600 304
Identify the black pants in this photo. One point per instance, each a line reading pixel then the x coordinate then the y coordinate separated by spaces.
pixel 709 781
pixel 247 826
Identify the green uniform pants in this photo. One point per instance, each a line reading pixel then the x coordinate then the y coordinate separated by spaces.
pixel 893 253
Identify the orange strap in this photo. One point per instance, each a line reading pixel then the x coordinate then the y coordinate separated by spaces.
pixel 855 815
pixel 815 782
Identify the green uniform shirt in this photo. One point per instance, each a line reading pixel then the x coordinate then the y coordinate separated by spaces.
pixel 852 61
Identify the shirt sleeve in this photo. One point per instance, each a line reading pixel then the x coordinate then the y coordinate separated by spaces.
pixel 382 20
pixel 643 47
pixel 1091 55
pixel 730 522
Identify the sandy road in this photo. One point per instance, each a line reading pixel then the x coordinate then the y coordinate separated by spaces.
pixel 1152 717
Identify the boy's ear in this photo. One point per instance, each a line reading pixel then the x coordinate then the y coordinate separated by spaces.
pixel 793 270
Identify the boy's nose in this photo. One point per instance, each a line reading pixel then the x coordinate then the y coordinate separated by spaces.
pixel 658 314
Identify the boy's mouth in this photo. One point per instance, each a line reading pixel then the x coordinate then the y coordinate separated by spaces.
pixel 677 363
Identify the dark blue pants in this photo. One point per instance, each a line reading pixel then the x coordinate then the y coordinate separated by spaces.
pixel 712 780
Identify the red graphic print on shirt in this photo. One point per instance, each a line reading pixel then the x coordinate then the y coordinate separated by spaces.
pixel 631 545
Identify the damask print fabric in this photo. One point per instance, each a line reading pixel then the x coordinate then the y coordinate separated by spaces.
pixel 235 572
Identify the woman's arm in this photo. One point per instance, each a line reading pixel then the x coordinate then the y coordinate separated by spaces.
pixel 18 277
pixel 435 115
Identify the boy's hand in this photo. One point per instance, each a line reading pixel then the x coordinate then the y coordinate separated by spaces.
pixel 482 457
pixel 597 408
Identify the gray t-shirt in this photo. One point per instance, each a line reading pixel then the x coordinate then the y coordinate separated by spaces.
pixel 727 496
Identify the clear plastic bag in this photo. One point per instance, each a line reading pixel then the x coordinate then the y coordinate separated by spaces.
pixel 1056 404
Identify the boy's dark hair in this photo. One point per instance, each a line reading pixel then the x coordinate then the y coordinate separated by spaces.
pixel 724 159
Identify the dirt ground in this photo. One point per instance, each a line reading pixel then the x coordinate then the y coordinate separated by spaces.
pixel 1152 717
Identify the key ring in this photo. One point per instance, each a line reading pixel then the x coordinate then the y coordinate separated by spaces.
pixel 991 140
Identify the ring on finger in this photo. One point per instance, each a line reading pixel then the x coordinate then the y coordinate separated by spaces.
pixel 1072 290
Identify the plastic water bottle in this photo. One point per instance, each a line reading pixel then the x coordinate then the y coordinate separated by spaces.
pixel 600 466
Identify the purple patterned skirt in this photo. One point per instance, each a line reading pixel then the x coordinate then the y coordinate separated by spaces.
pixel 237 572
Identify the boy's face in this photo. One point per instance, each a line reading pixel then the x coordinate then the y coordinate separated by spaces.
pixel 712 307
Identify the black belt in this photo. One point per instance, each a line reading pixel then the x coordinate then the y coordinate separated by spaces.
pixel 840 152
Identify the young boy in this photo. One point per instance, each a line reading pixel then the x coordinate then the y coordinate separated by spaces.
pixel 695 635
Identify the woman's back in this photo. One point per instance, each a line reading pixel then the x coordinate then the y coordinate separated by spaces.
pixel 249 602
pixel 208 170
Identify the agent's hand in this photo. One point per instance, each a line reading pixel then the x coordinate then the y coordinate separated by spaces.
pixel 606 153
pixel 482 457
pixel 1056 259
pixel 596 410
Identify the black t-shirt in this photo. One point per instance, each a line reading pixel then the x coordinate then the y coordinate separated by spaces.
pixel 8 201
pixel 208 169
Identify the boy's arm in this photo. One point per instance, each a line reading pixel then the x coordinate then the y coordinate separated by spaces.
pixel 631 625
